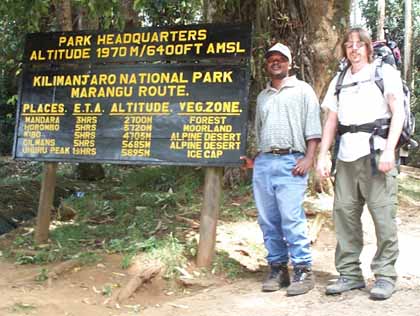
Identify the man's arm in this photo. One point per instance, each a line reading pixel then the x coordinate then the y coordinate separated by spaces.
pixel 328 134
pixel 387 159
pixel 248 163
pixel 304 164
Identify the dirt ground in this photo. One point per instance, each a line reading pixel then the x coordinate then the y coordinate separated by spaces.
pixel 81 292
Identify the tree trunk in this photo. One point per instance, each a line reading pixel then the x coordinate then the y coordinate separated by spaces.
pixel 63 10
pixel 129 15
pixel 380 34
pixel 408 38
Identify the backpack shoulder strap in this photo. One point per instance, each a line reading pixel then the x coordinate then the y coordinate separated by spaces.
pixel 379 78
pixel 339 84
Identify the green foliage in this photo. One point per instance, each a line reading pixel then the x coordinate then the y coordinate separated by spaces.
pixel 394 11
pixel 41 257
pixel 168 12
pixel 26 15
pixel 171 252
pixel 107 290
pixel 239 203
pixel 88 258
pixel 410 187
pixel 107 13
pixel 19 307
pixel 131 217
pixel 42 275
pixel 223 264
pixel 127 260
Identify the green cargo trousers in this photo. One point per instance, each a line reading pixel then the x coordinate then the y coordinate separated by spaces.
pixel 354 186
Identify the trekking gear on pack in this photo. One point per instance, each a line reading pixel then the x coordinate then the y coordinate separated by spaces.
pixel 379 127
pixel 388 50
pixel 382 50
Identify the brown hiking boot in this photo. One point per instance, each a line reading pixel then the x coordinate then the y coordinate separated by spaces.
pixel 277 278
pixel 303 281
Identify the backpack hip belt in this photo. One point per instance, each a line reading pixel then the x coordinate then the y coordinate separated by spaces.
pixel 379 127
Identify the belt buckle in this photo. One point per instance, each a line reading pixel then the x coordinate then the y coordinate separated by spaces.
pixel 281 151
pixel 353 128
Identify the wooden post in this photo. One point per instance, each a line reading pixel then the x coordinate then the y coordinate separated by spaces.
pixel 380 34
pixel 45 202
pixel 209 215
pixel 408 41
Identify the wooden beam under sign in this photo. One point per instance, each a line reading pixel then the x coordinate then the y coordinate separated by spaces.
pixel 209 215
pixel 45 202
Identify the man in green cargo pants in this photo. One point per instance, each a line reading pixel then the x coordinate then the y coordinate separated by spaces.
pixel 366 171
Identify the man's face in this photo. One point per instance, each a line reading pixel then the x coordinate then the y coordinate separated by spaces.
pixel 277 66
pixel 356 50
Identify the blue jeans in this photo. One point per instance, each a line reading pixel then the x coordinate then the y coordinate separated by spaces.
pixel 278 197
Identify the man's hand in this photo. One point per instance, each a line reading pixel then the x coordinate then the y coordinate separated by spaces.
pixel 323 167
pixel 386 161
pixel 303 165
pixel 248 163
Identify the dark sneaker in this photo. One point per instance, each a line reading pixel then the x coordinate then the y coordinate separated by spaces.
pixel 303 281
pixel 277 278
pixel 344 284
pixel 382 289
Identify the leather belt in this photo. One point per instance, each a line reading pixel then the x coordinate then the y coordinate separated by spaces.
pixel 282 151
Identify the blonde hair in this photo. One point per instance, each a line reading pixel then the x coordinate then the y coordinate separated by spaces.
pixel 364 37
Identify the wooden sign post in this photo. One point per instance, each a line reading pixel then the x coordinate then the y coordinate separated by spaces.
pixel 209 215
pixel 45 202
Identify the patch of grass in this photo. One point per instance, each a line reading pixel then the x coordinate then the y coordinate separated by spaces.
pixel 234 213
pixel 73 236
pixel 22 241
pixel 183 182
pixel 42 275
pixel 88 258
pixel 22 307
pixel 409 187
pixel 40 257
pixel 127 260
pixel 171 252
pixel 107 290
pixel 156 178
pixel 129 247
pixel 237 202
pixel 133 212
pixel 223 264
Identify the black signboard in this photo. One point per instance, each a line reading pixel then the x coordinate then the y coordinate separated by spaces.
pixel 126 112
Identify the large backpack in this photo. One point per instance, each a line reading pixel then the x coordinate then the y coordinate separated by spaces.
pixel 380 127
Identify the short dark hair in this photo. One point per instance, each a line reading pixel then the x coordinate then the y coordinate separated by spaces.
pixel 364 37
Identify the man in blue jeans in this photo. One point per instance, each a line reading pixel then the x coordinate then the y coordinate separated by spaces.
pixel 288 129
